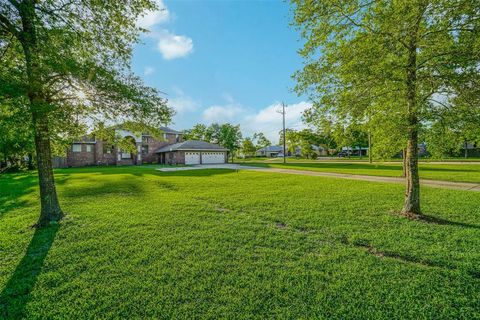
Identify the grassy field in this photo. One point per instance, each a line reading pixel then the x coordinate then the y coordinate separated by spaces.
pixel 447 172
pixel 137 243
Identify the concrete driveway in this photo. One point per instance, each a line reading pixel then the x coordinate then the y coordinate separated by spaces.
pixel 231 166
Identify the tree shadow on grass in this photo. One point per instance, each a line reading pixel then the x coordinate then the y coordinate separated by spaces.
pixel 440 221
pixel 196 172
pixel 16 187
pixel 436 220
pixel 16 293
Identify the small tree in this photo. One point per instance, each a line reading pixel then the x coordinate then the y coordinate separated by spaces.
pixel 292 141
pixel 198 132
pixel 230 137
pixel 213 133
pixel 248 148
pixel 261 141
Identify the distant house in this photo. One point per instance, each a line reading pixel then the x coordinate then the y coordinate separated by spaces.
pixel 277 151
pixel 170 149
pixel 355 151
pixel 270 151
pixel 319 150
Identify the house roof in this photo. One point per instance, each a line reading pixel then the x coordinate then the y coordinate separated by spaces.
pixel 272 149
pixel 191 145
pixel 169 130
pixel 85 139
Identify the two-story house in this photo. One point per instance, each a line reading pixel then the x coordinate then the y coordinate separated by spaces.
pixel 170 149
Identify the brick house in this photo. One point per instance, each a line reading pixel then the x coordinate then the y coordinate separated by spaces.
pixel 171 149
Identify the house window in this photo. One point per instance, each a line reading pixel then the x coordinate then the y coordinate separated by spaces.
pixel 107 149
pixel 164 136
pixel 126 155
pixel 89 147
pixel 176 138
pixel 145 149
pixel 77 148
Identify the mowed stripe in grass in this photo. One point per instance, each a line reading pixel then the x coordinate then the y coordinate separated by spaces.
pixel 445 172
pixel 219 243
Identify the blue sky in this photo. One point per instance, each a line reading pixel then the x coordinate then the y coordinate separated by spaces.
pixel 223 61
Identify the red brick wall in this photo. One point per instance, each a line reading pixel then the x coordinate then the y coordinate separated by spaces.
pixel 105 159
pixel 98 157
pixel 180 157
pixel 155 144
pixel 82 158
pixel 175 157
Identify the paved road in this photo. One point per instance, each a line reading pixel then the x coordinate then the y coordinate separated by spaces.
pixel 431 183
pixel 337 160
pixel 426 182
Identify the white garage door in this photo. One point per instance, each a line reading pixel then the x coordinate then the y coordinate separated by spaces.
pixel 192 157
pixel 213 157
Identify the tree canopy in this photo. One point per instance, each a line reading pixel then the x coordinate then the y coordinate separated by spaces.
pixel 385 64
pixel 69 62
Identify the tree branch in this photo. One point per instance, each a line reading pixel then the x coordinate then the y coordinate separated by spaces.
pixel 8 26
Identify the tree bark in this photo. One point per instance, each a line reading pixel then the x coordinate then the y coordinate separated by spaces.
pixel 50 208
pixel 412 190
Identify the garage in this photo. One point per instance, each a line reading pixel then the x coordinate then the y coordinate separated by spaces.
pixel 192 152
pixel 192 157
pixel 213 157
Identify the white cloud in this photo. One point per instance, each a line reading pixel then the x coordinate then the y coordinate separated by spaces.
pixel 269 121
pixel 221 114
pixel 173 46
pixel 148 71
pixel 152 18
pixel 170 45
pixel 183 104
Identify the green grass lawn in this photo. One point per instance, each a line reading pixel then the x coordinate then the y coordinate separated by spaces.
pixel 447 172
pixel 137 243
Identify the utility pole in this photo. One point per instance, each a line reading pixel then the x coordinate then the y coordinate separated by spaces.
pixel 284 137
pixel 369 146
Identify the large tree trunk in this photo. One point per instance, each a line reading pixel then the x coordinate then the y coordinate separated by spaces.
pixel 412 190
pixel 50 208
pixel 411 205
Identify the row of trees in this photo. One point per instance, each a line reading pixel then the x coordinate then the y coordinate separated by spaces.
pixel 393 67
pixel 229 136
pixel 250 146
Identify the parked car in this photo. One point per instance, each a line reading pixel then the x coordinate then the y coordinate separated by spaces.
pixel 342 154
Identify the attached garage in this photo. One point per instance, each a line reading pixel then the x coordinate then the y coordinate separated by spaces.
pixel 192 157
pixel 192 152
pixel 213 157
